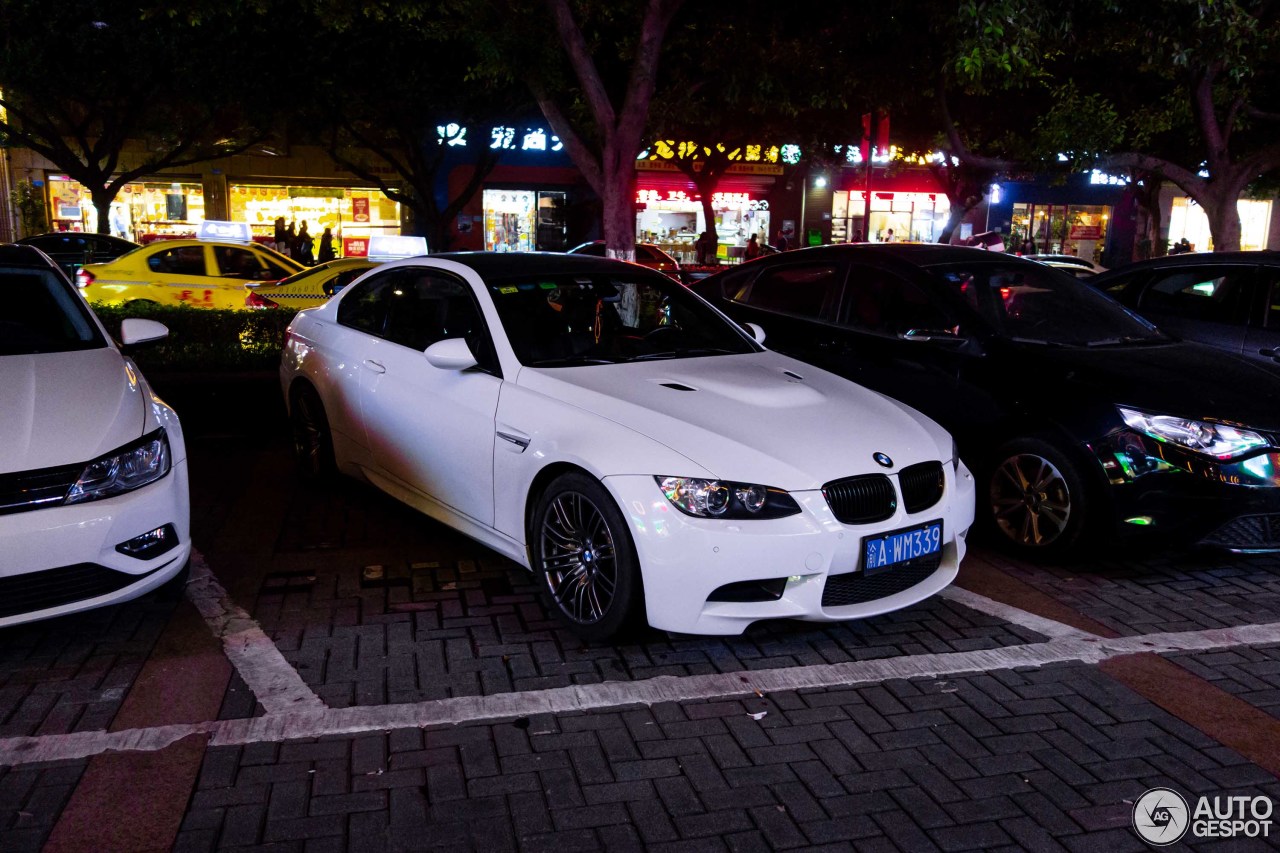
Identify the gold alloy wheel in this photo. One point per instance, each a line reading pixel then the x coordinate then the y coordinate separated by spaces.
pixel 1030 500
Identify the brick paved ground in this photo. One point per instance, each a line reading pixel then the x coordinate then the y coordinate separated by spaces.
pixel 1045 758
pixel 1050 759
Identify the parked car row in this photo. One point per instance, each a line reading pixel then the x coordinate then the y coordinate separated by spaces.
pixel 630 441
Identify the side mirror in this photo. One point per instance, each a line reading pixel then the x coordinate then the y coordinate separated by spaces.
pixel 136 332
pixel 941 336
pixel 756 332
pixel 450 354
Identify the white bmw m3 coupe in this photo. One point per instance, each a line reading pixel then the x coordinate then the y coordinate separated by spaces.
pixel 641 453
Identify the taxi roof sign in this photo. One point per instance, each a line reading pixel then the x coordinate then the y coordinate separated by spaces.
pixel 227 232
pixel 389 247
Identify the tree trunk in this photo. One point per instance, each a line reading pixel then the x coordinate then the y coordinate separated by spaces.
pixel 1224 219
pixel 953 221
pixel 619 206
pixel 102 200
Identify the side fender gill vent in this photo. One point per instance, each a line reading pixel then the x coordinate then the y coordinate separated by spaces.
pixel 676 386
pixel 793 375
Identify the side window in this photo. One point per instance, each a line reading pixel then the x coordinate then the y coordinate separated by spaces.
pixel 1210 293
pixel 341 280
pixel 274 269
pixel 805 290
pixel 365 307
pixel 234 262
pixel 181 260
pixel 1272 317
pixel 885 304
pixel 427 306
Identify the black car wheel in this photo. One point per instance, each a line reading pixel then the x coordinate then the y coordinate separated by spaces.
pixel 584 558
pixel 312 441
pixel 1036 499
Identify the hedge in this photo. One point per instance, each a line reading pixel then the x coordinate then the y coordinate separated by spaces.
pixel 205 339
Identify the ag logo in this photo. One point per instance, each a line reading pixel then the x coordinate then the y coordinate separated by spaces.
pixel 1161 816
pixel 882 459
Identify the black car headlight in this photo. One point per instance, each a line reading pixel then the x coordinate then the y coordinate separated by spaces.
pixel 131 467
pixel 724 499
pixel 1212 439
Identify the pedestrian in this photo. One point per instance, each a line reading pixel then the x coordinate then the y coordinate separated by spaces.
pixel 706 249
pixel 290 240
pixel 753 248
pixel 280 245
pixel 780 241
pixel 305 253
pixel 326 246
pixel 888 236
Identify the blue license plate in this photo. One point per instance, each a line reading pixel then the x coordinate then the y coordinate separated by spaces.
pixel 881 552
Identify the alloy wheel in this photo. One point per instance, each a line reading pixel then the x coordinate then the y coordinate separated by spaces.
pixel 578 559
pixel 309 433
pixel 1030 500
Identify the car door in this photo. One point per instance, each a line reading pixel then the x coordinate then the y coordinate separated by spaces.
pixel 903 340
pixel 1262 340
pixel 796 303
pixel 432 429
pixel 1206 303
pixel 183 275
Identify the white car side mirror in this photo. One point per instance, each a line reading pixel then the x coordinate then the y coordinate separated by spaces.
pixel 450 354
pixel 135 331
pixel 756 332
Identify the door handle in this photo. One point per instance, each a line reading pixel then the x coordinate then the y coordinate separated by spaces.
pixel 518 440
pixel 375 366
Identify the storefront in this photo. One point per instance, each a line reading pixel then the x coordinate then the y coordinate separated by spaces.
pixel 142 211
pixel 1187 220
pixel 899 216
pixel 524 220
pixel 353 213
pixel 672 219
pixel 1060 229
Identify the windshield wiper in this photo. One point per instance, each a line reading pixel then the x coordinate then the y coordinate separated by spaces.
pixel 1038 342
pixel 570 361
pixel 692 352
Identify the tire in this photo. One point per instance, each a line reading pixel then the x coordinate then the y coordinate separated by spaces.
pixel 1037 503
pixel 585 560
pixel 312 440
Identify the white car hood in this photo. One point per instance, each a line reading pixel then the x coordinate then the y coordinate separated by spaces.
pixel 747 419
pixel 66 407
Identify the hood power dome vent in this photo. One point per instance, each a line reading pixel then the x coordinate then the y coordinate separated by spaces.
pixel 793 375
pixel 676 386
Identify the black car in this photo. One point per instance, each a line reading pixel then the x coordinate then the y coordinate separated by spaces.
pixel 73 249
pixel 1080 419
pixel 1229 300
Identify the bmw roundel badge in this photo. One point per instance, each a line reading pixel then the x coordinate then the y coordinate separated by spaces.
pixel 882 459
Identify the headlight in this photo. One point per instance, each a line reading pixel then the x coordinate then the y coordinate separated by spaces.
pixel 723 499
pixel 1218 440
pixel 131 467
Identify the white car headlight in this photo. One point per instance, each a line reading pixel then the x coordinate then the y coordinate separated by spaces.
pixel 723 499
pixel 1219 440
pixel 131 467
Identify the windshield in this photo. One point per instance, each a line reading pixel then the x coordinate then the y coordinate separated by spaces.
pixel 40 313
pixel 1045 306
pixel 605 318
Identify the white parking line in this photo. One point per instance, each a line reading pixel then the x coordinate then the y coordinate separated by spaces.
pixel 1009 613
pixel 273 681
pixel 321 722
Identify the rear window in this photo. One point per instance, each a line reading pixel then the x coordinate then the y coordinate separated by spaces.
pixel 39 313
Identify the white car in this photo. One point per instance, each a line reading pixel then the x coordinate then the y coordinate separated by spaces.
pixel 94 507
pixel 641 453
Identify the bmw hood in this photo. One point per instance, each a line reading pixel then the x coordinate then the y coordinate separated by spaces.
pixel 761 418
pixel 66 407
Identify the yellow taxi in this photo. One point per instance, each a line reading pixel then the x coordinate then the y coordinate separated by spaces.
pixel 200 273
pixel 309 287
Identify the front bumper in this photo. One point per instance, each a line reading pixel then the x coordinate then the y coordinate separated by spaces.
pixel 1161 489
pixel 685 559
pixel 61 544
